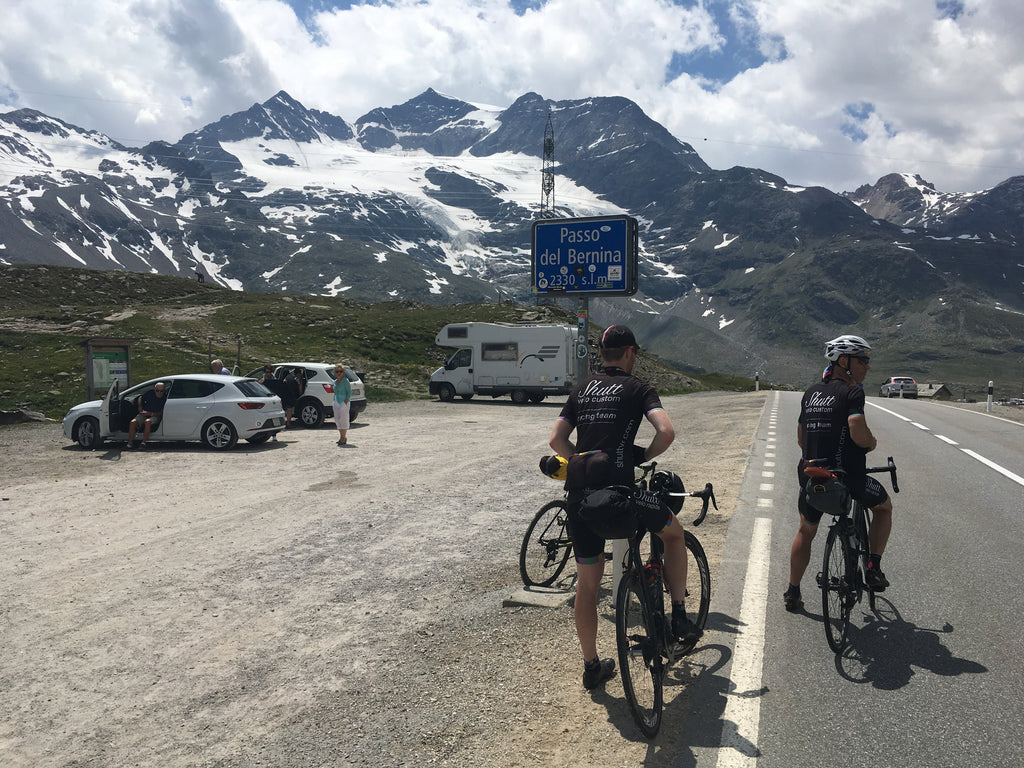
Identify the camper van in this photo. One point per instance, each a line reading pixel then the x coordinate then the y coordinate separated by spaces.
pixel 528 362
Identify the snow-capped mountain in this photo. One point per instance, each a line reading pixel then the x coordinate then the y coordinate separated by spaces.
pixel 433 200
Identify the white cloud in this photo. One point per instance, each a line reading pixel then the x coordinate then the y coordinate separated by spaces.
pixel 837 93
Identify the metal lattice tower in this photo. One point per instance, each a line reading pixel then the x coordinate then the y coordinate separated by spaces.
pixel 547 184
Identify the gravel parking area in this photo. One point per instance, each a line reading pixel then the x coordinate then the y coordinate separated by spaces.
pixel 303 604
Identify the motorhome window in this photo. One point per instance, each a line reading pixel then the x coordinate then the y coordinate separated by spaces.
pixel 462 359
pixel 458 332
pixel 508 351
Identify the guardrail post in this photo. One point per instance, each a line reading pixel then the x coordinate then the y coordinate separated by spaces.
pixel 988 407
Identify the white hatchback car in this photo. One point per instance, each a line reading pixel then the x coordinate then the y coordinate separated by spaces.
pixel 315 404
pixel 215 409
pixel 898 386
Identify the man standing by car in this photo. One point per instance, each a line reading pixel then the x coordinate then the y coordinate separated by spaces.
pixel 151 410
pixel 606 411
pixel 294 386
pixel 832 427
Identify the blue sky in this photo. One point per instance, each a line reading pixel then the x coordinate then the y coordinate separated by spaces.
pixel 826 92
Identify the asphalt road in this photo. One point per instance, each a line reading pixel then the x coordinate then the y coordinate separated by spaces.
pixel 932 679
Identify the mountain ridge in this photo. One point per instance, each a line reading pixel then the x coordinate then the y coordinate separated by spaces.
pixel 433 200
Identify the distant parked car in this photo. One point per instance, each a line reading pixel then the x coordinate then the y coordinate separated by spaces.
pixel 315 404
pixel 894 385
pixel 215 409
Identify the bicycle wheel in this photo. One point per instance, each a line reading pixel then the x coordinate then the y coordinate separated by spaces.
pixel 837 593
pixel 860 516
pixel 546 546
pixel 640 661
pixel 698 583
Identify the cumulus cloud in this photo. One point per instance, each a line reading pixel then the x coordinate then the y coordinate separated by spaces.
pixel 818 91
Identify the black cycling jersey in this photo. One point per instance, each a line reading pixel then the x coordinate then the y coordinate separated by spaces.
pixel 824 413
pixel 606 410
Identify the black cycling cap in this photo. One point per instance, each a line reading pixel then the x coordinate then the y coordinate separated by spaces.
pixel 617 336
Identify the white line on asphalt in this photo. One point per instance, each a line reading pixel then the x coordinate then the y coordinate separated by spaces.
pixel 742 715
pixel 989 463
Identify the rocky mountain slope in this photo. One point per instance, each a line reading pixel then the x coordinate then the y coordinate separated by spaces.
pixel 433 200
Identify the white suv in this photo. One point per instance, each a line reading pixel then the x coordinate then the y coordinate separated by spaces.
pixel 315 404
pixel 898 386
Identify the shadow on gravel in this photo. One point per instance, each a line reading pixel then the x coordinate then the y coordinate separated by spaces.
pixel 696 692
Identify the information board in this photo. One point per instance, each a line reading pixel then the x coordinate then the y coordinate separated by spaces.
pixel 595 256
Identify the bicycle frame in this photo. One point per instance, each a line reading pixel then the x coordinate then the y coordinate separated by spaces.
pixel 646 644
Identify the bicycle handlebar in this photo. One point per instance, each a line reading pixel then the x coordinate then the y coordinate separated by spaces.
pixel 891 469
pixel 707 495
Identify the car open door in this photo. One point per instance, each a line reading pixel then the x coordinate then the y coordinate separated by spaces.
pixel 110 410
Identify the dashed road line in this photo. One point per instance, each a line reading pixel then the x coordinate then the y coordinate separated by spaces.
pixel 949 441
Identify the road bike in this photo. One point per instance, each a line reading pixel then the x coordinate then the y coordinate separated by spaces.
pixel 643 630
pixel 846 558
pixel 546 546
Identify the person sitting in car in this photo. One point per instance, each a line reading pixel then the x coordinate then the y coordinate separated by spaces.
pixel 151 410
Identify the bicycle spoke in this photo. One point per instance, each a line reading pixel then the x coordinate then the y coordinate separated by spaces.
pixel 546 547
pixel 837 593
pixel 640 659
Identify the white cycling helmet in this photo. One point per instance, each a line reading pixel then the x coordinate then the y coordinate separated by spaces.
pixel 846 345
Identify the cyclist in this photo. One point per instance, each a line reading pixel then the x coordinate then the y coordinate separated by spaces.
pixel 832 426
pixel 606 411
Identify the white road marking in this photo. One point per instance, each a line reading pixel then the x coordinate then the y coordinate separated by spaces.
pixel 989 463
pixel 742 716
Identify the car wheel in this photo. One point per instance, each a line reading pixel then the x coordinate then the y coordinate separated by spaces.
pixel 257 439
pixel 219 434
pixel 536 398
pixel 87 433
pixel 311 413
pixel 519 396
pixel 467 396
pixel 446 393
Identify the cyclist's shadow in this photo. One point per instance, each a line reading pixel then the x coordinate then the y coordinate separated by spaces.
pixel 885 650
pixel 696 693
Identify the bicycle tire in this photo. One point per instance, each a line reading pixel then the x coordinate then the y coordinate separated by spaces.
pixel 546 546
pixel 863 555
pixel 837 593
pixel 698 582
pixel 641 665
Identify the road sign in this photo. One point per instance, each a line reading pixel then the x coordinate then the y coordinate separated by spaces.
pixel 595 256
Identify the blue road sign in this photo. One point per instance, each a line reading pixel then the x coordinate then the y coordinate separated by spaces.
pixel 595 256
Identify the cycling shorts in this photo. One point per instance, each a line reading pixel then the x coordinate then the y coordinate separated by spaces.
pixel 587 546
pixel 870 494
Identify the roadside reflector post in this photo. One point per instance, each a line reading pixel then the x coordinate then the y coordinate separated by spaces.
pixel 988 406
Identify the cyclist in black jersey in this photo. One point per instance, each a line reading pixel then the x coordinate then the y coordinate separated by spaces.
pixel 606 410
pixel 833 427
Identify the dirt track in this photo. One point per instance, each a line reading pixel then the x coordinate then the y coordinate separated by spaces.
pixel 300 604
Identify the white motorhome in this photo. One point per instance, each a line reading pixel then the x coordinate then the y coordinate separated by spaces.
pixel 528 362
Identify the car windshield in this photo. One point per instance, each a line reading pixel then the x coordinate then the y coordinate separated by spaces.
pixel 252 388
